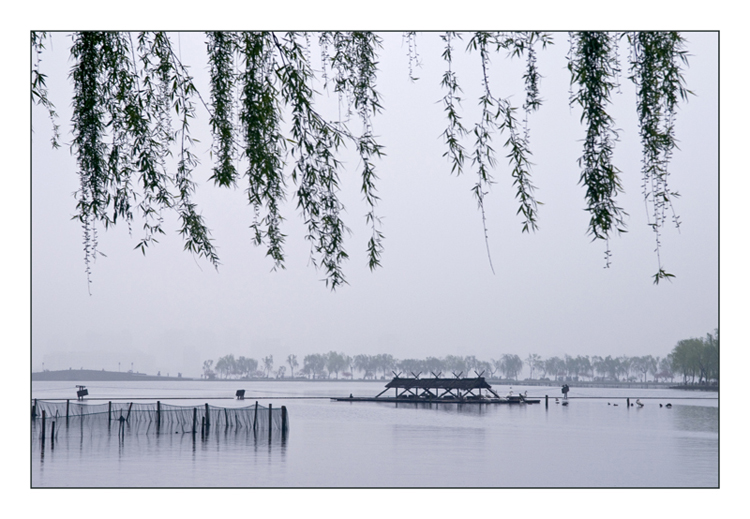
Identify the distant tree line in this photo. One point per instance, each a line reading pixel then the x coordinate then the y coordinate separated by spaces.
pixel 696 360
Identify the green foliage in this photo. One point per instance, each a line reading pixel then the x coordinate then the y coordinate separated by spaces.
pixel 692 357
pixel 121 128
pixel 39 94
pixel 292 361
pixel 655 70
pixel 697 357
pixel 221 49
pixel 336 362
pixel 133 104
pixel 314 365
pixel 593 64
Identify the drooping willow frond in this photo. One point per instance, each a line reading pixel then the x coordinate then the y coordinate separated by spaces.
pixel 593 65
pixel 655 66
pixel 121 128
pixel 265 146
pixel 133 105
pixel 39 93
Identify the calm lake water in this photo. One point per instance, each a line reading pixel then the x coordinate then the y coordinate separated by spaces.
pixel 589 443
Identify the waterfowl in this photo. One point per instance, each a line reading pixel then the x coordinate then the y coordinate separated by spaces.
pixel 640 404
pixel 669 406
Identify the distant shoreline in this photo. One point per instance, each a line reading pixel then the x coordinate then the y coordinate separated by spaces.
pixel 91 375
pixel 88 375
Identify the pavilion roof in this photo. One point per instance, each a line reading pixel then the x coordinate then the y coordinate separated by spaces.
pixel 438 383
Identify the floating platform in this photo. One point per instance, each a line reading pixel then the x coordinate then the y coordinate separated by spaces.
pixel 441 391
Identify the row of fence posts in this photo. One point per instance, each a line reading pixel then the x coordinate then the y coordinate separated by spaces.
pixel 205 421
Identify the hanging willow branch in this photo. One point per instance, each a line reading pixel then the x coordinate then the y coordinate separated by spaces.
pixel 133 103
pixel 264 144
pixel 655 69
pixel 39 94
pixel 594 65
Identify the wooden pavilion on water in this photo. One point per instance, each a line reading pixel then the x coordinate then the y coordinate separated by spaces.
pixel 441 390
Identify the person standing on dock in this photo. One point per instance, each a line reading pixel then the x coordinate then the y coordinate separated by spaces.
pixel 565 390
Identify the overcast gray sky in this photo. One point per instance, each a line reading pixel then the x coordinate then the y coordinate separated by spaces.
pixel 436 294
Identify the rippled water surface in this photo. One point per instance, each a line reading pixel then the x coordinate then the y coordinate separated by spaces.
pixel 589 443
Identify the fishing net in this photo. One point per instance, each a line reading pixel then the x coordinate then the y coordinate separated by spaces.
pixel 156 417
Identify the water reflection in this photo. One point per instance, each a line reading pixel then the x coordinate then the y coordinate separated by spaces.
pixel 455 408
pixel 97 436
pixel 337 444
pixel 696 418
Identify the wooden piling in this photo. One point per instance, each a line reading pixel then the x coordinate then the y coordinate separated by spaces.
pixel 109 412
pixel 158 415
pixel 129 408
pixel 546 401
pixel 33 409
pixel 52 437
pixel 226 418
pixel 628 401
pixel 195 417
pixel 208 416
pixel 270 419
pixel 67 409
pixel 255 416
pixel 203 427
pixel 44 418
pixel 283 419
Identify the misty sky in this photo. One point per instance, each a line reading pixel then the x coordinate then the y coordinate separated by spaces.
pixel 435 294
